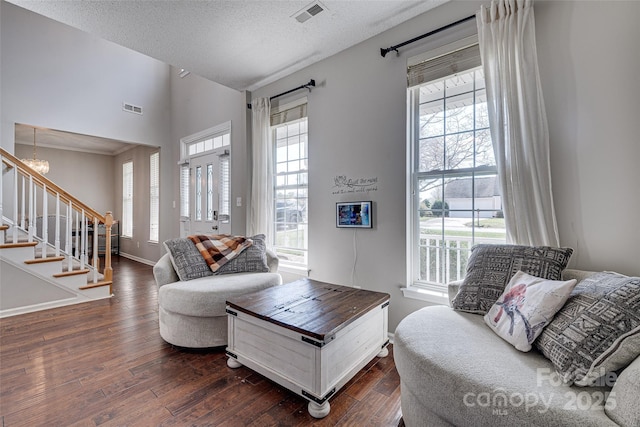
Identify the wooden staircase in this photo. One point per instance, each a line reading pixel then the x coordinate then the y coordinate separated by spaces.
pixel 44 258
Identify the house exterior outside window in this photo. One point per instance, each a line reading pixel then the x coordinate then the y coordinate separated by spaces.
pixel 453 191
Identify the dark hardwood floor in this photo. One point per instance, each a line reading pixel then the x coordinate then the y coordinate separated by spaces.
pixel 103 363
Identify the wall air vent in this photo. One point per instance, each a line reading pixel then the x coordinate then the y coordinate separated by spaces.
pixel 131 108
pixel 309 11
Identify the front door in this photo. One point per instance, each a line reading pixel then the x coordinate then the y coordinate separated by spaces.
pixel 209 191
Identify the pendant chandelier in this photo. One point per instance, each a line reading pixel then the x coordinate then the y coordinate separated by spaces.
pixel 40 166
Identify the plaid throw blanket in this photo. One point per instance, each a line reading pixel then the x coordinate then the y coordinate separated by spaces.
pixel 219 249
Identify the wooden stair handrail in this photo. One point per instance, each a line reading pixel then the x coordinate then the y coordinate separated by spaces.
pixel 52 188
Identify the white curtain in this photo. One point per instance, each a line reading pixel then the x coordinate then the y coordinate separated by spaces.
pixel 506 35
pixel 261 208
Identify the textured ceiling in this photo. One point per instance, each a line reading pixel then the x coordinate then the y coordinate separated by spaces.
pixel 242 44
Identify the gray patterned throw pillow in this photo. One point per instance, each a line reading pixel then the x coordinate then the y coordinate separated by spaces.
pixel 490 268
pixel 597 331
pixel 186 259
pixel 252 259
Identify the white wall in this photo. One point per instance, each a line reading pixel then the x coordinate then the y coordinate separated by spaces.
pixel 589 64
pixel 198 104
pixel 58 77
pixel 357 120
pixel 68 169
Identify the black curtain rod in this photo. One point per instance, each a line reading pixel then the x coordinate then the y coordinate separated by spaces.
pixel 312 83
pixel 384 52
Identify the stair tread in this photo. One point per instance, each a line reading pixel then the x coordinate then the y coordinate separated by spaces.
pixel 96 285
pixel 42 260
pixel 71 273
pixel 18 245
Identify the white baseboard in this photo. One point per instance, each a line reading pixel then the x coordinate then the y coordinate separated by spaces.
pixel 138 259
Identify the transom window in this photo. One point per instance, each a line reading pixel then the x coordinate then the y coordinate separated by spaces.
pixel 208 144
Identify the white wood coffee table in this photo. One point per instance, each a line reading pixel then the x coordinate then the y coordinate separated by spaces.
pixel 308 336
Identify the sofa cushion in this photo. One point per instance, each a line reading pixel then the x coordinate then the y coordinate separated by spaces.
pixel 463 373
pixel 490 268
pixel 598 329
pixel 527 305
pixel 207 296
pixel 626 392
pixel 252 259
pixel 186 259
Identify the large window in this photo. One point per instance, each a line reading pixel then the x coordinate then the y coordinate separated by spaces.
pixel 154 197
pixel 127 199
pixel 454 191
pixel 291 185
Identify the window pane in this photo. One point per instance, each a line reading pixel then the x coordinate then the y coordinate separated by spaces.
pixel 460 151
pixel 432 119
pixel 459 113
pixel 484 149
pixel 431 152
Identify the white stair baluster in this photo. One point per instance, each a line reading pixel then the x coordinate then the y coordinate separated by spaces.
pixel 83 240
pixel 45 222
pixel 69 242
pixel 16 176
pixel 32 211
pixel 57 236
pixel 23 201
pixel 95 250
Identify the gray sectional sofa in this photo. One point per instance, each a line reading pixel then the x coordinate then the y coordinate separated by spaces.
pixel 192 312
pixel 455 371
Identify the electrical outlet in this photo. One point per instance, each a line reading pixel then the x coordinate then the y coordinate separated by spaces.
pixel 138 244
pixel 238 201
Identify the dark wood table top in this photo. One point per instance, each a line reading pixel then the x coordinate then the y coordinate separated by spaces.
pixel 310 307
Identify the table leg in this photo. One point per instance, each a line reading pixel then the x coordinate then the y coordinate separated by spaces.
pixel 319 411
pixel 233 363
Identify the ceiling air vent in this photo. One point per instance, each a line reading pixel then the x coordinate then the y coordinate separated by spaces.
pixel 309 11
pixel 132 108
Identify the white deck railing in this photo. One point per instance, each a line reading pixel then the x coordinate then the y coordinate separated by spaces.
pixel 443 260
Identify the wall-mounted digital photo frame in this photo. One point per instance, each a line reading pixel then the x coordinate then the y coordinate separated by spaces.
pixel 354 214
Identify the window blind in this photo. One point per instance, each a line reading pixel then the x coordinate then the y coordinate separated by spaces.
pixel 444 65
pixel 154 197
pixel 224 191
pixel 184 191
pixel 289 112
pixel 127 199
